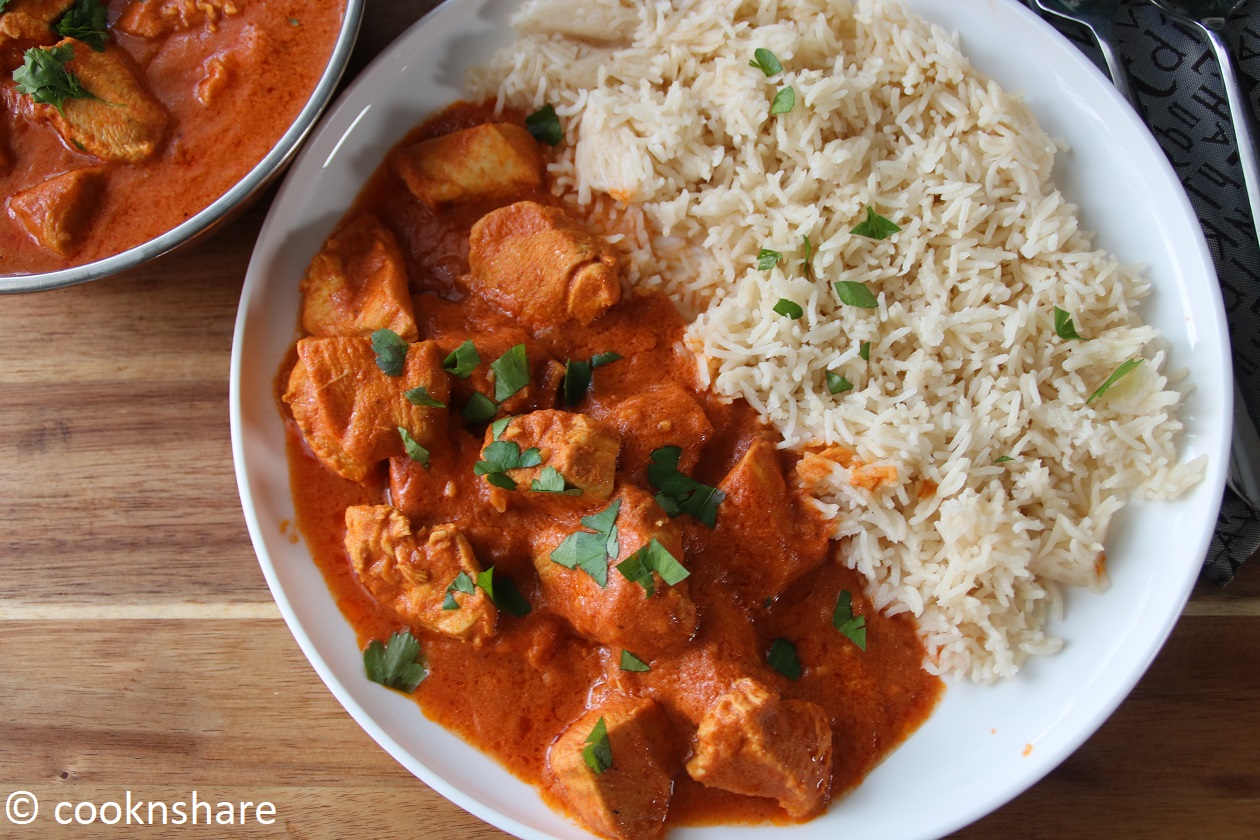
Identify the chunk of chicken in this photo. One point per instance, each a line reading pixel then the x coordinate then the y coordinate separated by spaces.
pixel 123 123
pixel 153 18
pixel 583 450
pixel 357 284
pixel 488 162
pixel 410 572
pixel 350 412
pixel 58 212
pixel 764 512
pixel 630 798
pixel 752 742
pixel 541 266
pixel 619 614
pixel 663 415
pixel 26 23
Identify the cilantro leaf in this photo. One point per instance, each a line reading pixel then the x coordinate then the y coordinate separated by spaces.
pixel 504 594
pixel 1002 459
pixel 479 408
pixel 44 78
pixel 875 226
pixel 502 455
pixel 653 557
pixel 630 662
pixel 511 372
pixel 784 101
pixel 577 380
pixel 591 552
pixel 852 626
pixel 837 384
pixel 397 663
pixel 419 395
pixel 544 125
pixel 607 358
pixel 864 350
pixel 782 658
pixel 498 426
pixel 856 294
pixel 1124 370
pixel 808 260
pixel 765 61
pixel 597 752
pixel 551 481
pixel 462 583
pixel 789 309
pixel 414 450
pixel 767 259
pixel 1063 326
pixel 679 493
pixel 391 352
pixel 85 21
pixel 462 360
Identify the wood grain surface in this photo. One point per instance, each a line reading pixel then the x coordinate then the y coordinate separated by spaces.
pixel 140 649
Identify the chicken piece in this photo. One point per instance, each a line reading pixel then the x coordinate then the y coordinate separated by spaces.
pixel 350 411
pixel 545 373
pixel 753 743
pixel 583 450
pixel 663 415
pixel 154 18
pixel 766 520
pixel 630 798
pixel 123 122
pixel 410 572
pixel 28 23
pixel 620 613
pixel 541 266
pixel 357 284
pixel 488 162
pixel 58 212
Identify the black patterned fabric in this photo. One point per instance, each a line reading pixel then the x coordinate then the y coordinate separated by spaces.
pixel 1176 80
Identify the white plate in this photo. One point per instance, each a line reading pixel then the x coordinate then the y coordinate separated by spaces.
pixel 984 745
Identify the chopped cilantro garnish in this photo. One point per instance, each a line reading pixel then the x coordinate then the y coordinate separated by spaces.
pixel 1124 370
pixel 511 372
pixel 397 663
pixel 789 309
pixel 597 752
pixel 420 395
pixel 837 384
pixel 630 662
pixel 679 493
pixel 85 21
pixel 765 61
pixel 1002 459
pixel 391 352
pixel 502 455
pixel 1063 326
pixel 44 78
pixel 577 375
pixel 498 426
pixel 504 594
pixel 479 408
pixel 653 557
pixel 864 350
pixel 590 552
pixel 606 358
pixel 852 626
pixel 808 261
pixel 462 583
pixel 462 360
pixel 415 451
pixel 856 294
pixel 782 658
pixel 784 101
pixel 875 226
pixel 545 126
pixel 767 259
pixel 551 481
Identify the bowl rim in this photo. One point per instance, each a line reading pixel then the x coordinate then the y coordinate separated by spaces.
pixel 200 223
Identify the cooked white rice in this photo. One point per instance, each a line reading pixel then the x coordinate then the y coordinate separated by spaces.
pixel 670 146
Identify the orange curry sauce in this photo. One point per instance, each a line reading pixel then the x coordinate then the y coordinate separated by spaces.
pixel 231 84
pixel 512 696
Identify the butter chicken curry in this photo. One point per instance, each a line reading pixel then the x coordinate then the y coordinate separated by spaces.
pixel 122 119
pixel 614 580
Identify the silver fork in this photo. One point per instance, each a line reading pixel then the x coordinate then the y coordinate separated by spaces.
pixel 1099 16
pixel 1243 473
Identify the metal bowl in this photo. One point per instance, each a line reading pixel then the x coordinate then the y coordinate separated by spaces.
pixel 205 222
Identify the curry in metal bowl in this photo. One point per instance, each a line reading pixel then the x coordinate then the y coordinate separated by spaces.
pixel 124 119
